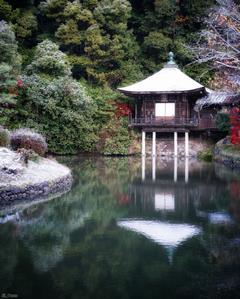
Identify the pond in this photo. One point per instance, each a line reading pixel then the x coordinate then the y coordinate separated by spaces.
pixel 130 228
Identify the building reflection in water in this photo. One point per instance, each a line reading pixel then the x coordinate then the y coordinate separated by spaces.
pixel 182 187
pixel 167 234
pixel 164 201
pixel 169 196
pixel 163 233
pixel 164 183
pixel 175 169
pixel 143 168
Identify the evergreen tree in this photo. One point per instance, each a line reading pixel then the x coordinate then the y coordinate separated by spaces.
pixel 24 21
pixel 5 11
pixel 95 35
pixel 25 24
pixel 49 61
pixel 55 104
pixel 9 65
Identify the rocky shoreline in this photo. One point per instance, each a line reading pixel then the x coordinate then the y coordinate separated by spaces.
pixel 224 156
pixel 39 179
pixel 12 194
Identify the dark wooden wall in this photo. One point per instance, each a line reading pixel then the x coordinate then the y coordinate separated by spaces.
pixel 146 105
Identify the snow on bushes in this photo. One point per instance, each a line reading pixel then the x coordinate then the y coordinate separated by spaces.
pixel 30 140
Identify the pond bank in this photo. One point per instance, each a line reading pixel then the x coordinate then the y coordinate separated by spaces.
pixel 37 179
pixel 227 154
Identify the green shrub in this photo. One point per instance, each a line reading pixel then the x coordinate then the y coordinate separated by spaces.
pixel 4 137
pixel 115 138
pixel 29 140
pixel 206 155
pixel 61 110
pixel 223 122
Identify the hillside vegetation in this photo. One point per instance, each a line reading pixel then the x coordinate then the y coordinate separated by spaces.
pixel 61 62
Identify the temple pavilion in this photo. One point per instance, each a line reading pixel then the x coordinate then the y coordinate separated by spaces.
pixel 169 102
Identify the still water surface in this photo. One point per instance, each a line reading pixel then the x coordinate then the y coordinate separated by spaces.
pixel 128 229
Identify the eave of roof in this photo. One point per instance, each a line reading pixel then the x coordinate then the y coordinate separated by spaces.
pixel 133 93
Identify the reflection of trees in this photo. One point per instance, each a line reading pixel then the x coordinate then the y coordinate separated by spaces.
pixel 8 254
pixel 112 264
pixel 74 243
pixel 235 200
pixel 223 247
pixel 226 173
pixel 48 235
pixel 46 229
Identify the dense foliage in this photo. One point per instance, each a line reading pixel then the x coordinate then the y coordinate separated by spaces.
pixel 108 42
pixel 9 65
pixel 223 122
pixel 53 103
pixel 74 55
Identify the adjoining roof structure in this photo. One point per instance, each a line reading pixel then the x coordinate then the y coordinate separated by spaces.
pixel 217 98
pixel 170 79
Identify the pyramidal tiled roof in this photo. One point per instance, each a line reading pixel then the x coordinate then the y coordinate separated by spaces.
pixel 170 79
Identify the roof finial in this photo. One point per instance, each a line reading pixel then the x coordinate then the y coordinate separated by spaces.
pixel 171 63
pixel 171 58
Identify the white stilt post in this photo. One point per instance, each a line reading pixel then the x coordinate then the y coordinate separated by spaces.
pixel 175 169
pixel 153 168
pixel 143 143
pixel 186 144
pixel 143 168
pixel 186 170
pixel 175 144
pixel 154 144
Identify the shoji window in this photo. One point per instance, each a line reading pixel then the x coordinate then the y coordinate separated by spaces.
pixel 165 109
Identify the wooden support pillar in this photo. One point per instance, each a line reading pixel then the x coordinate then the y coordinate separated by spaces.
pixel 154 144
pixel 143 143
pixel 186 144
pixel 175 144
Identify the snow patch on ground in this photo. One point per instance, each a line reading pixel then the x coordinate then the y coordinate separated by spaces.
pixel 13 172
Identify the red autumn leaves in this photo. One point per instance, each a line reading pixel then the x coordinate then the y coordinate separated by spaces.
pixel 14 90
pixel 122 109
pixel 235 125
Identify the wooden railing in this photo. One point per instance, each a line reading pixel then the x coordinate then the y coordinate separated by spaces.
pixel 161 121
pixel 203 123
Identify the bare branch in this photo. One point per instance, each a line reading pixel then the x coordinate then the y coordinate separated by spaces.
pixel 219 44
